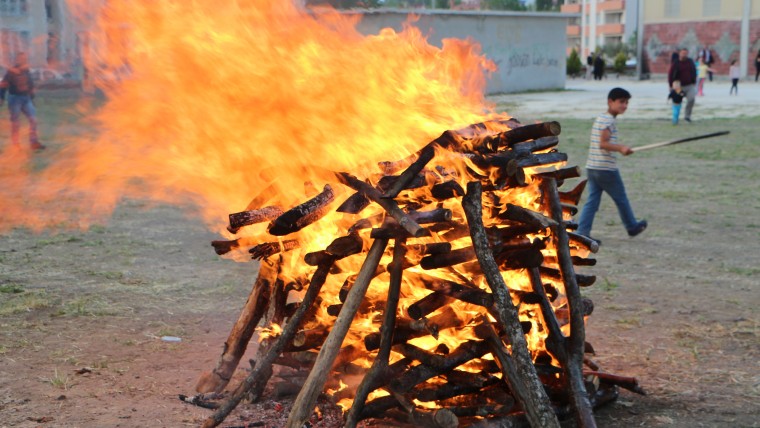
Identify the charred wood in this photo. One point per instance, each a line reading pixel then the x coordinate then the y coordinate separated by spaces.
pixel 269 249
pixel 246 218
pixel 304 214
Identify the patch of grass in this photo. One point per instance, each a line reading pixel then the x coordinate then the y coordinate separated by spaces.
pixel 85 306
pixel 608 285
pixel 59 380
pixel 11 288
pixel 739 270
pixel 25 301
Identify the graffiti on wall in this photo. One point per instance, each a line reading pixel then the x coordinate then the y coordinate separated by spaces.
pixel 510 60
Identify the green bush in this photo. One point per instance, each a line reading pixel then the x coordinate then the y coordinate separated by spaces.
pixel 619 64
pixel 574 64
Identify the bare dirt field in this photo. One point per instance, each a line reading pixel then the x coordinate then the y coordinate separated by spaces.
pixel 82 313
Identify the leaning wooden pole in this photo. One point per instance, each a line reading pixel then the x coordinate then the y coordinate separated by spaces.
pixel 574 365
pixel 307 398
pixel 237 342
pixel 531 395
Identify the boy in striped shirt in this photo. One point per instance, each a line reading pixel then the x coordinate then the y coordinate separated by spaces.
pixel 601 168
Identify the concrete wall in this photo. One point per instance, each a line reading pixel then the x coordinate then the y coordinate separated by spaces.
pixel 528 48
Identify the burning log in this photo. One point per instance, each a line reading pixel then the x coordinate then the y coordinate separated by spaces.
pixel 518 135
pixel 390 206
pixel 447 190
pixel 629 383
pixel 269 249
pixel 246 218
pixel 306 399
pixel 533 398
pixel 407 330
pixel 303 215
pixel 262 371
pixel 581 402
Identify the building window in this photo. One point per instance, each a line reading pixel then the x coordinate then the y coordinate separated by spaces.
pixel 614 18
pixel 711 7
pixel 672 8
pixel 13 7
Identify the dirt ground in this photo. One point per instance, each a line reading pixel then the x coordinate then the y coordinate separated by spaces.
pixel 82 313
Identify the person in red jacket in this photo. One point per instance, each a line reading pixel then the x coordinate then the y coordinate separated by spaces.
pixel 685 71
pixel 18 83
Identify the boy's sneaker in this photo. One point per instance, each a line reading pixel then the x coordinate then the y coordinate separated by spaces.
pixel 37 147
pixel 638 229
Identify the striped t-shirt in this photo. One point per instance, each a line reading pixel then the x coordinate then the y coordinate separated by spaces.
pixel 597 157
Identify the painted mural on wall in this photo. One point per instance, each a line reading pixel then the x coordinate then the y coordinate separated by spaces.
pixel 721 38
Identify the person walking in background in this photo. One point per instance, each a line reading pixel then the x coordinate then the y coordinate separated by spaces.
pixel 601 168
pixel 598 66
pixel 757 65
pixel 676 95
pixel 589 65
pixel 734 73
pixel 702 70
pixel 707 58
pixel 684 71
pixel 18 83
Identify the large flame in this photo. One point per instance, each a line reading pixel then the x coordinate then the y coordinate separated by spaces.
pixel 217 102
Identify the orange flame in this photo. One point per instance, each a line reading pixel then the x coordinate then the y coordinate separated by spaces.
pixel 212 103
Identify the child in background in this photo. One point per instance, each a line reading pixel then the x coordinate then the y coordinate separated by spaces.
pixel 676 95
pixel 734 73
pixel 702 69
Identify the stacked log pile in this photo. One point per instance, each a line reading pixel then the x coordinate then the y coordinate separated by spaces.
pixel 470 245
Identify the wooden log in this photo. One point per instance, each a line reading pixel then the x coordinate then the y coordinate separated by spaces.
pixel 580 280
pixel 304 403
pixel 389 205
pixel 307 339
pixel 466 352
pixel 573 196
pixel 575 345
pixel 556 342
pixel 269 249
pixel 246 218
pixel 474 383
pixel 532 396
pixel 424 156
pixel 447 190
pixel 629 383
pixel 242 331
pixel 406 330
pixel 538 144
pixel 428 304
pixel 569 210
pixel 577 261
pixel 526 216
pixel 223 247
pixel 583 242
pixel 430 248
pixel 541 159
pixel 354 204
pixel 351 280
pixel 562 173
pixel 257 379
pixel 380 364
pixel 465 293
pixel 517 135
pixel 452 258
pixel 437 418
pixel 303 215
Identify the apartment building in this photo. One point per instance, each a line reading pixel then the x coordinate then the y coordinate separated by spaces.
pixel 600 23
pixel 43 29
pixel 730 29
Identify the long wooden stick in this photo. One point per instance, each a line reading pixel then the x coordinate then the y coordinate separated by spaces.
pixel 307 398
pixel 526 385
pixel 679 140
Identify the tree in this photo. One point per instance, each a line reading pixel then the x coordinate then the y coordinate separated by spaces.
pixel 547 5
pixel 619 64
pixel 505 5
pixel 574 64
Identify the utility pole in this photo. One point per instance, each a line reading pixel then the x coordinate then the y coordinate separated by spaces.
pixel 640 40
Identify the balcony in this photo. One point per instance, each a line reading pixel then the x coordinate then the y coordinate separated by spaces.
pixel 611 5
pixel 570 8
pixel 610 29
